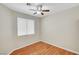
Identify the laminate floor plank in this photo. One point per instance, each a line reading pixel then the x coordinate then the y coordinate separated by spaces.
pixel 41 48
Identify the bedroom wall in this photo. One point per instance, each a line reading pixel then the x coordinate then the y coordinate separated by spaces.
pixel 62 29
pixel 8 31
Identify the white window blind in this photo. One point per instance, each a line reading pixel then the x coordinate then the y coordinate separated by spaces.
pixel 25 26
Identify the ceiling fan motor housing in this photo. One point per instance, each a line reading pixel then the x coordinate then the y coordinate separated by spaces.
pixel 38 9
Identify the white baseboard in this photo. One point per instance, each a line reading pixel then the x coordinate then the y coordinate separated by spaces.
pixel 62 47
pixel 21 47
pixel 48 43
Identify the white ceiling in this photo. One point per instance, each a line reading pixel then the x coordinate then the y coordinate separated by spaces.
pixel 53 7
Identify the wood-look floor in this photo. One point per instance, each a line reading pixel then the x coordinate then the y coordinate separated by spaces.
pixel 41 48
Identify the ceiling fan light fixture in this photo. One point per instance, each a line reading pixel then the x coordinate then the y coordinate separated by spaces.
pixel 38 12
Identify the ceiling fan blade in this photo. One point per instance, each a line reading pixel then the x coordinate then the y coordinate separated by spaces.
pixel 45 10
pixel 35 13
pixel 28 4
pixel 32 9
pixel 42 13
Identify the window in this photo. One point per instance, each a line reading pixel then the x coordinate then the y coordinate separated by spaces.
pixel 25 26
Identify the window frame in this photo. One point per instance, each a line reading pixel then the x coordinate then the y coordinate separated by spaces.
pixel 25 34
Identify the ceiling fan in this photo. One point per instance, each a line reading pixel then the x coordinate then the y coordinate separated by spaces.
pixel 39 9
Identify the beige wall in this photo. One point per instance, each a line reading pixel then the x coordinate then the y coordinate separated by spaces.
pixel 8 31
pixel 62 29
